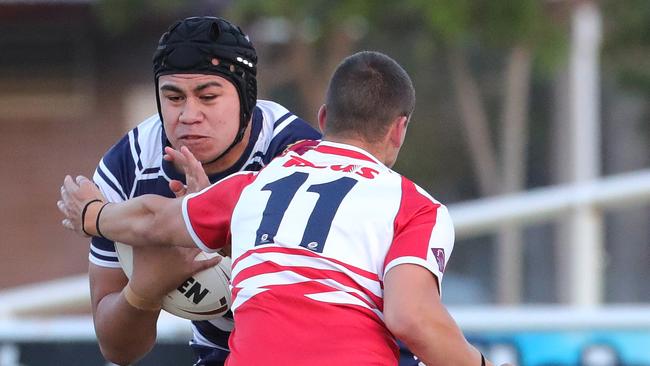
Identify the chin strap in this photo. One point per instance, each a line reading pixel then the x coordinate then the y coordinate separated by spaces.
pixel 237 139
pixel 240 135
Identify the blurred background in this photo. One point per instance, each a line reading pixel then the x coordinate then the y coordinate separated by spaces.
pixel 532 124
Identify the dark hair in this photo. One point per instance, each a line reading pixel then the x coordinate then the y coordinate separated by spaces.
pixel 366 93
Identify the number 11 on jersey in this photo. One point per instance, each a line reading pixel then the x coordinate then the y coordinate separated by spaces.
pixel 283 191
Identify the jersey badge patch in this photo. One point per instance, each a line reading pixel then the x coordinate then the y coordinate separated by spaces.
pixel 439 253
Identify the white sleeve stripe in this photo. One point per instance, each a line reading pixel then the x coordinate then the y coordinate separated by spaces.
pixel 104 169
pixel 416 261
pixel 109 191
pixel 199 243
pixel 136 159
pixel 103 263
pixel 103 252
pixel 283 125
pixel 133 149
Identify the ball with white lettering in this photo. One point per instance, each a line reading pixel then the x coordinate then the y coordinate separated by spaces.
pixel 204 296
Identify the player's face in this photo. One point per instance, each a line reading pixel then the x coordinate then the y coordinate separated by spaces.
pixel 200 112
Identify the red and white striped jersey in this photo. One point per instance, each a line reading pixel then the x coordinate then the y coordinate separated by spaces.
pixel 313 235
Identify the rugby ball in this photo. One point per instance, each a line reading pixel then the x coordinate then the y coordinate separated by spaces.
pixel 204 296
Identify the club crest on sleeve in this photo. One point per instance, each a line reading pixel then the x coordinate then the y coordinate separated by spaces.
pixel 439 253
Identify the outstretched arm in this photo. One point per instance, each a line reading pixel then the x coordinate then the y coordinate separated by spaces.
pixel 144 220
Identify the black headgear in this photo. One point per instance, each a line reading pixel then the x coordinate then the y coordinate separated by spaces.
pixel 210 45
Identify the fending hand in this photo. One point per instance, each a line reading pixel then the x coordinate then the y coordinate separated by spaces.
pixel 75 195
pixel 195 176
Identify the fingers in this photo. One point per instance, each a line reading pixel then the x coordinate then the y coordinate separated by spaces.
pixel 67 224
pixel 68 188
pixel 195 177
pixel 174 155
pixel 178 188
pixel 62 207
pixel 75 194
pixel 187 154
pixel 190 162
pixel 81 179
pixel 79 186
pixel 194 174
pixel 69 184
pixel 205 264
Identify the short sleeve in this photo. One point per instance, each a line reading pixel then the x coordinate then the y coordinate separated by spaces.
pixel 207 214
pixel 423 233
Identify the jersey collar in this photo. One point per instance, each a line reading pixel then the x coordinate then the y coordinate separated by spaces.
pixel 350 151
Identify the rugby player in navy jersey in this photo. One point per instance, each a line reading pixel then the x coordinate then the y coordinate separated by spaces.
pixel 205 78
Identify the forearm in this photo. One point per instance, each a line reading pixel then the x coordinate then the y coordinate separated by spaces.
pixel 439 341
pixel 414 314
pixel 125 334
pixel 144 220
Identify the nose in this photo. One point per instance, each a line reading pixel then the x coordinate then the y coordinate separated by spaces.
pixel 191 112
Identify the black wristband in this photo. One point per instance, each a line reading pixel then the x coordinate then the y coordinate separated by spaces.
pixel 83 214
pixel 482 359
pixel 97 221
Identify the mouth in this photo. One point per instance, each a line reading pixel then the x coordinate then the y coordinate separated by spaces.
pixel 192 138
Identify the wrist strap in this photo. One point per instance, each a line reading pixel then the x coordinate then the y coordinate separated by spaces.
pixel 138 301
pixel 83 215
pixel 97 221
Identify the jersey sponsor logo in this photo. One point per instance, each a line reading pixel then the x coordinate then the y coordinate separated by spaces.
pixel 362 171
pixel 439 253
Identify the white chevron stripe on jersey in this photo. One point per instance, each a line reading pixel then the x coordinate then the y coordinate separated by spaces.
pixel 111 194
pixel 245 294
pixel 292 277
pixel 340 297
pixel 300 259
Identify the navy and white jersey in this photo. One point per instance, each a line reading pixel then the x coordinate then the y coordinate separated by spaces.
pixel 134 166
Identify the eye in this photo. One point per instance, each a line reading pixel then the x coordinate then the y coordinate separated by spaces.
pixel 208 97
pixel 174 98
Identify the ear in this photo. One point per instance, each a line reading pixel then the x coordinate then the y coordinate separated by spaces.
pixel 322 114
pixel 397 131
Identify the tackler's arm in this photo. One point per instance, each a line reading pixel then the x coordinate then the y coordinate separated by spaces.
pixel 141 221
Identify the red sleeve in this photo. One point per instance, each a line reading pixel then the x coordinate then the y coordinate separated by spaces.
pixel 207 214
pixel 423 232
